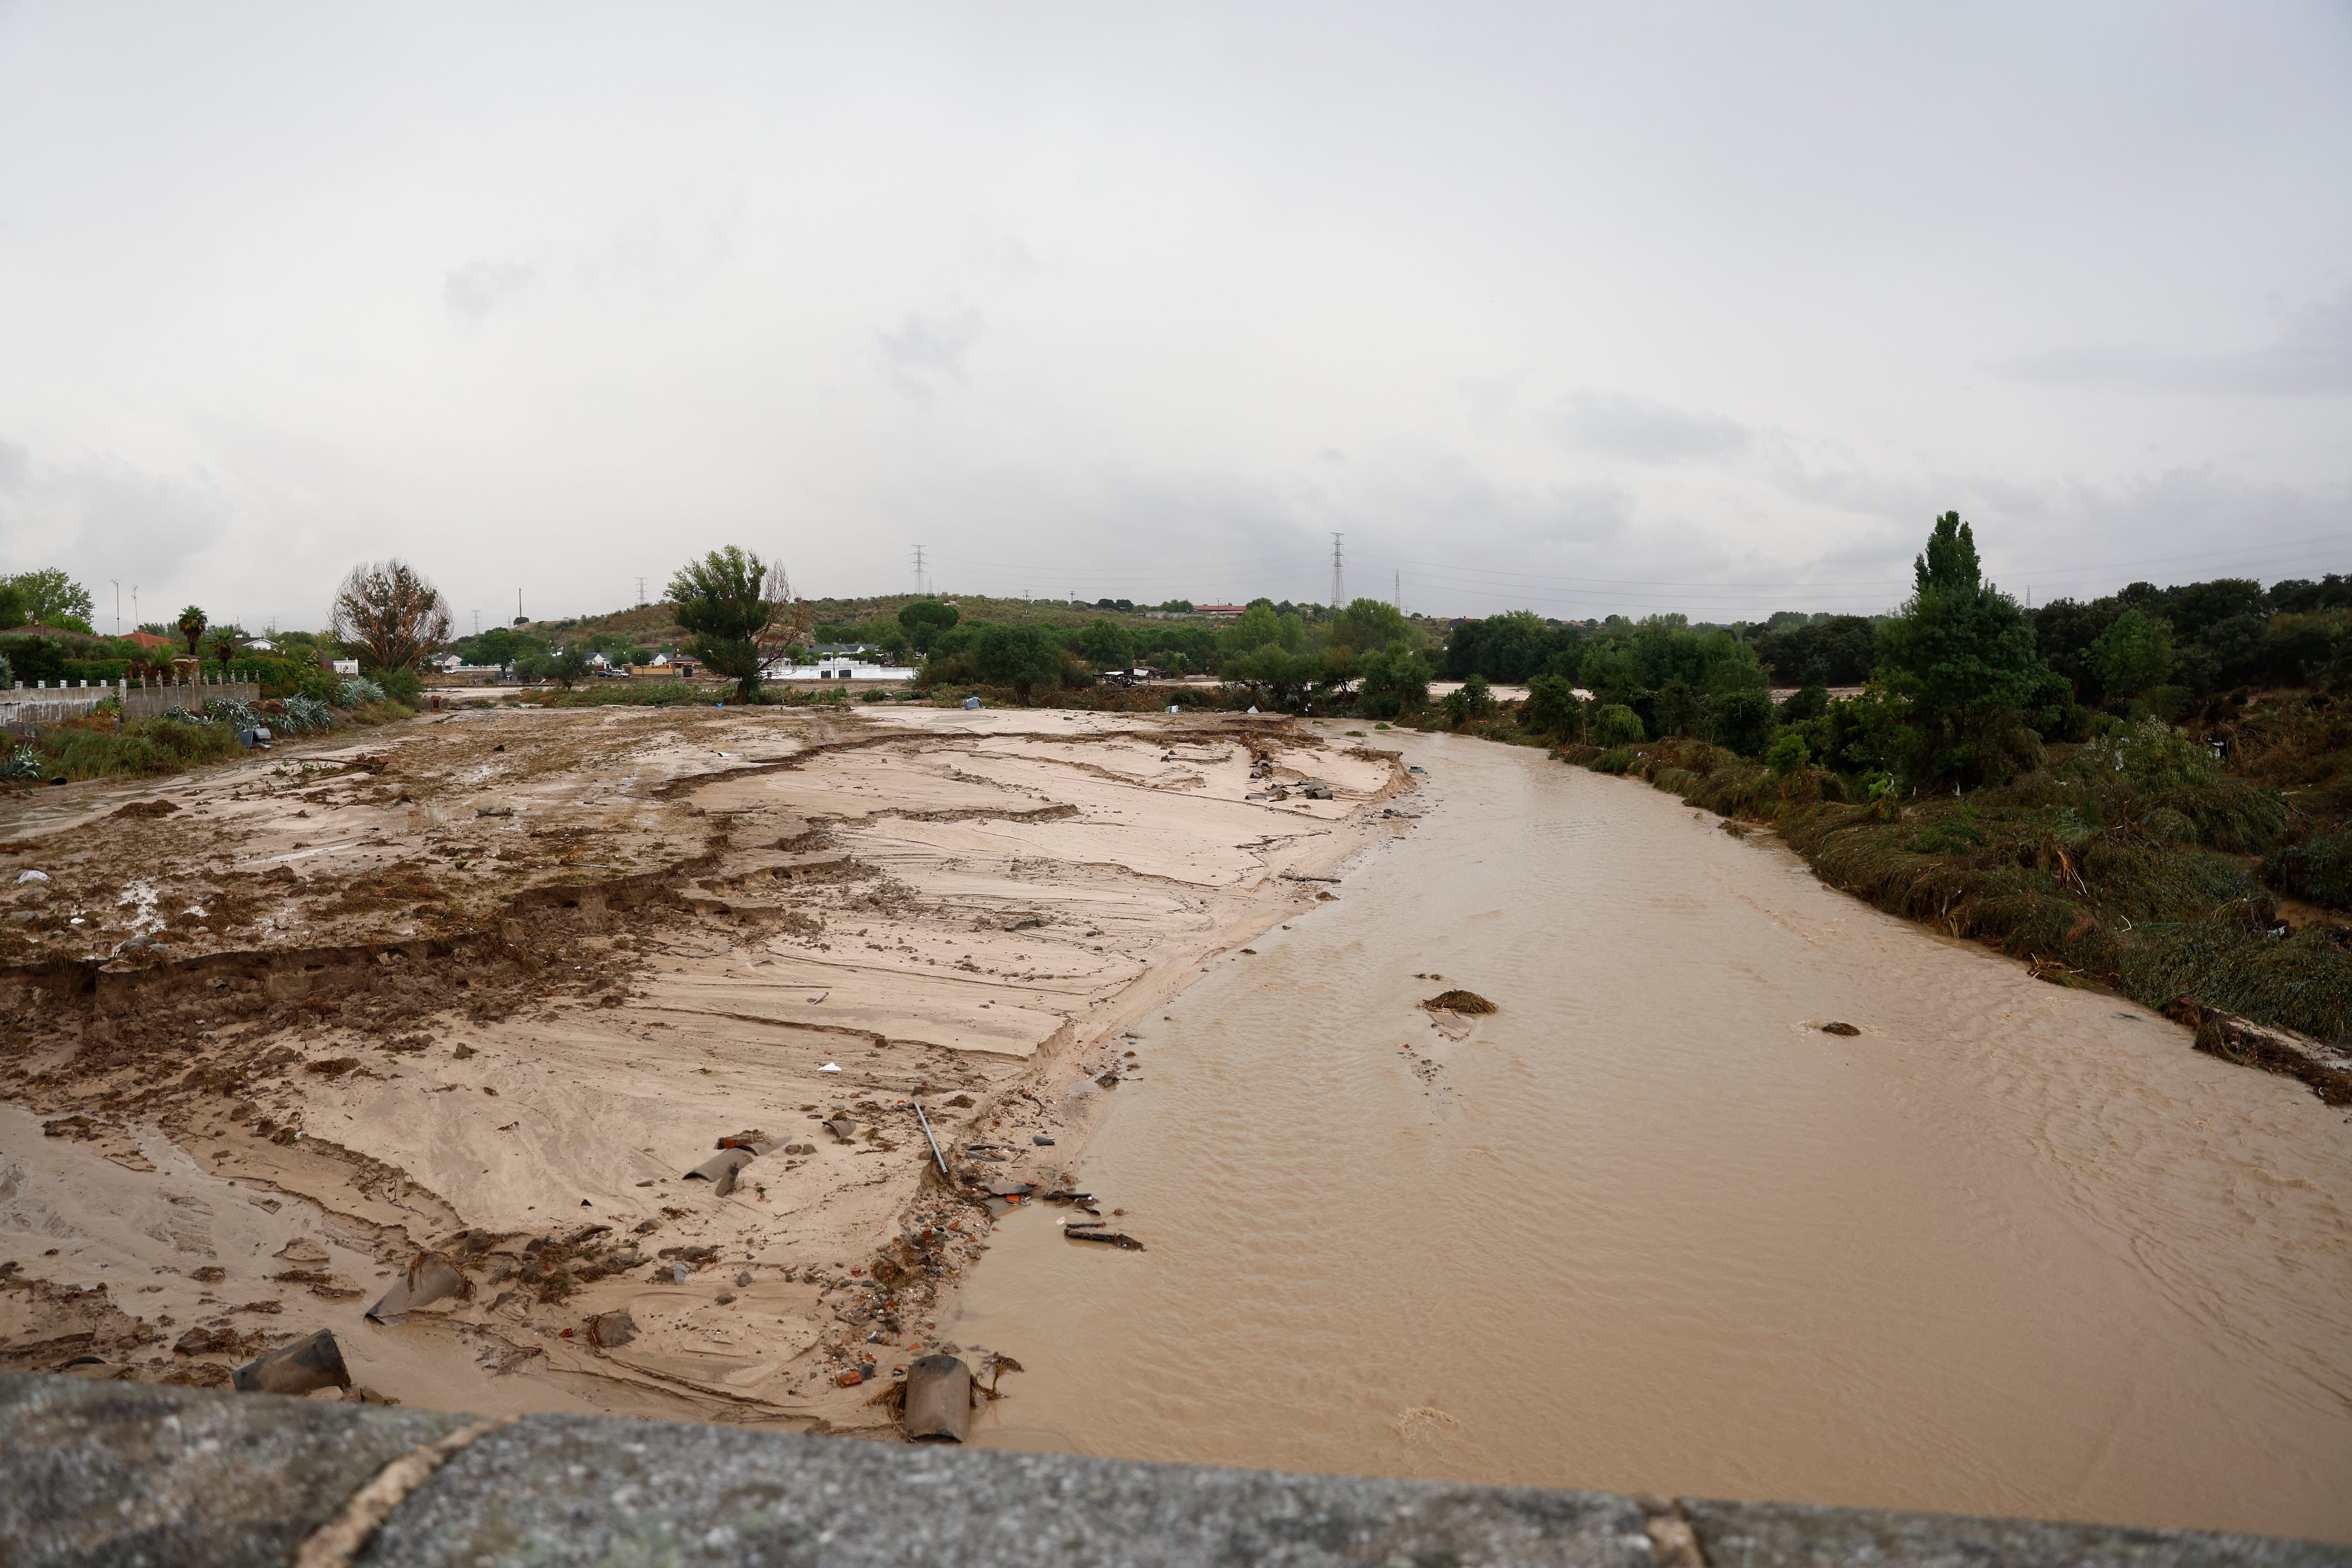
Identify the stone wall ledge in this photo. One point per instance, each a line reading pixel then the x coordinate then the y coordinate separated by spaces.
pixel 124 1473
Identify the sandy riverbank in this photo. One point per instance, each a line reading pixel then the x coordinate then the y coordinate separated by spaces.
pixel 491 982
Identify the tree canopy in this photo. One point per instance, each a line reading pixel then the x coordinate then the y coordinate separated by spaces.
pixel 725 601
pixel 46 597
pixel 925 619
pixel 389 615
pixel 1960 656
pixel 1023 658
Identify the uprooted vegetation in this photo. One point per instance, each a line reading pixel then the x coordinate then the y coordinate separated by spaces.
pixel 2133 861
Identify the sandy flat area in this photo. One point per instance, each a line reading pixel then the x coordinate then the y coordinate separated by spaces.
pixel 488 983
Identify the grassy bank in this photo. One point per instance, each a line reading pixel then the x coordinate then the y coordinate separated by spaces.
pixel 104 744
pixel 2134 862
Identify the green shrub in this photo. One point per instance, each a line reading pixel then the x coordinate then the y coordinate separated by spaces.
pixel 2231 814
pixel 1615 725
pixel 140 748
pixel 2319 869
pixel 1789 754
pixel 1616 760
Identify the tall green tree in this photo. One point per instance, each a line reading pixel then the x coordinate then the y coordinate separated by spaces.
pixel 1105 644
pixel 1023 658
pixel 1552 707
pixel 1960 656
pixel 190 626
pixel 925 619
pixel 52 599
pixel 1395 680
pixel 2132 653
pixel 1369 625
pixel 724 599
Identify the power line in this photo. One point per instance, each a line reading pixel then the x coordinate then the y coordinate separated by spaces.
pixel 919 572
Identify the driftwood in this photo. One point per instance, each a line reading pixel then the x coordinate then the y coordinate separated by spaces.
pixel 2326 1069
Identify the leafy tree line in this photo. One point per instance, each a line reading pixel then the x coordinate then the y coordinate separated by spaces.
pixel 1957 693
pixel 1295 657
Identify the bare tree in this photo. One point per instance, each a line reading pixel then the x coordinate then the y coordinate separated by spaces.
pixel 389 615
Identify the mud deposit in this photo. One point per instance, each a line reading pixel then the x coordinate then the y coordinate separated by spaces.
pixel 490 985
pixel 2009 1248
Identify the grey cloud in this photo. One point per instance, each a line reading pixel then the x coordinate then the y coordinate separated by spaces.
pixel 927 350
pixel 15 464
pixel 97 518
pixel 2311 356
pixel 1643 429
pixel 473 291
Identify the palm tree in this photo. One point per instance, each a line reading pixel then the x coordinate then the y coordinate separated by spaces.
pixel 190 626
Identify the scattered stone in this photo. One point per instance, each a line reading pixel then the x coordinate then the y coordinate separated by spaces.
pixel 608 1331
pixel 1464 1002
pixel 312 1363
pixel 204 1339
pixel 1840 1029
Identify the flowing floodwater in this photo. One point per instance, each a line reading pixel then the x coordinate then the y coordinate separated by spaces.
pixel 2014 1249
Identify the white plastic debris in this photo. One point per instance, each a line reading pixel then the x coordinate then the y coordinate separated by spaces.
pixel 830 1067
pixel 24 877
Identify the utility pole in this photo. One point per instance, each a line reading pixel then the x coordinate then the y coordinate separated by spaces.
pixel 919 572
pixel 641 592
pixel 520 617
pixel 117 604
pixel 1338 591
pixel 477 623
pixel 1398 596
pixel 134 606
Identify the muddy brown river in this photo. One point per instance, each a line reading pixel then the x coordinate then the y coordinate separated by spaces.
pixel 2013 1248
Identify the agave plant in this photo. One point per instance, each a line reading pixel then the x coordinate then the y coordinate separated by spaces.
pixel 305 714
pixel 358 692
pixel 22 766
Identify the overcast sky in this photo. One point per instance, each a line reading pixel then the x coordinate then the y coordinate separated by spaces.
pixel 1576 308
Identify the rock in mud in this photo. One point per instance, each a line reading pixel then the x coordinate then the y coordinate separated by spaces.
pixel 1460 1002
pixel 608 1331
pixel 1840 1029
pixel 429 1277
pixel 206 1340
pixel 312 1362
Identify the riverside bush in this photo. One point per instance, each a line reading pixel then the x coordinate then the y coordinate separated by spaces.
pixel 2319 869
pixel 90 749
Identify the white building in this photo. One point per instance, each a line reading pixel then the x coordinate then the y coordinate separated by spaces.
pixel 836 667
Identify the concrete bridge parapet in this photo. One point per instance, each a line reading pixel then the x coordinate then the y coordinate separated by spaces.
pixel 113 1472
